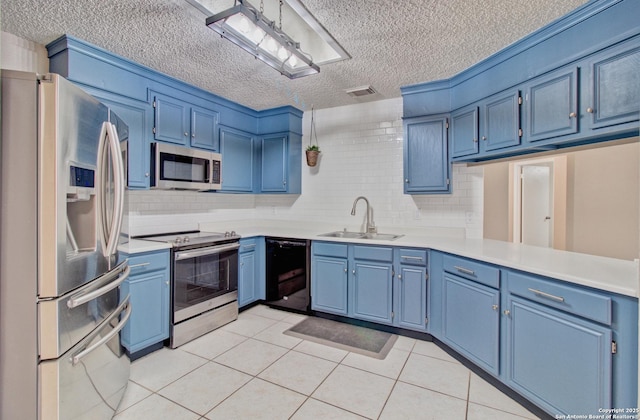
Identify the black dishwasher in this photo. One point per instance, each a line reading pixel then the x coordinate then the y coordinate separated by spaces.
pixel 288 274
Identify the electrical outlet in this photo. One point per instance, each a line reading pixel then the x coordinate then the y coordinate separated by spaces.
pixel 416 215
pixel 468 217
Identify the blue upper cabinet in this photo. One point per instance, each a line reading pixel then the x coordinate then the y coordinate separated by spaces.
pixel 501 122
pixel 179 122
pixel 464 132
pixel 579 81
pixel 274 163
pixel 426 163
pixel 138 116
pixel 238 151
pixel 614 87
pixel 171 120
pixel 493 125
pixel 204 129
pixel 552 105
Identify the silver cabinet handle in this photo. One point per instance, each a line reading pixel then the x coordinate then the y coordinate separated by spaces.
pixel 84 296
pixel 406 180
pixel 140 265
pixel 354 271
pixel 547 295
pixel 475 140
pixel 484 137
pixel 78 357
pixel 590 110
pixel 345 270
pixel 506 312
pixel 465 270
pixel 399 276
pixel 494 307
pixel 572 115
pixel 193 135
pixel 186 134
pixel 407 257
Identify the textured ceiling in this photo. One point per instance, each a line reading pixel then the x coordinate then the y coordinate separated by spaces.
pixel 392 43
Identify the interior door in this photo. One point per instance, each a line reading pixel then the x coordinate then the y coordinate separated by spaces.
pixel 537 205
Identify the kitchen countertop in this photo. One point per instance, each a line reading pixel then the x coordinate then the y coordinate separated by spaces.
pixel 608 274
pixel 137 246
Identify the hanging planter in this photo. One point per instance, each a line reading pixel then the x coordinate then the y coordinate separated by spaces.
pixel 312 155
pixel 313 150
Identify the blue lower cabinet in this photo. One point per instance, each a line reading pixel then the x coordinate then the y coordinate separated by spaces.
pixel 251 272
pixel 411 305
pixel 560 362
pixel 148 285
pixel 372 291
pixel 329 284
pixel 471 321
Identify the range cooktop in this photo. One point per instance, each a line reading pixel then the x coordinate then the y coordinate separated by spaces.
pixel 191 237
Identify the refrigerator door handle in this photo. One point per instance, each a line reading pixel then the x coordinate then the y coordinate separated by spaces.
pixel 124 305
pixel 110 230
pixel 118 179
pixel 84 297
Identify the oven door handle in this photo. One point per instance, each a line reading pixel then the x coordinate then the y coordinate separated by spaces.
pixel 210 250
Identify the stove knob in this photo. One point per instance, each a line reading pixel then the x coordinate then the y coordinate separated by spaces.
pixel 186 239
pixel 178 240
pixel 233 233
pixel 227 234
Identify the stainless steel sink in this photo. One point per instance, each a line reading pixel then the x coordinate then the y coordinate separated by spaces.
pixel 360 235
pixel 343 234
pixel 380 236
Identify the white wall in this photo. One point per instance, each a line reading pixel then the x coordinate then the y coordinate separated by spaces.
pixel 361 155
pixel 19 54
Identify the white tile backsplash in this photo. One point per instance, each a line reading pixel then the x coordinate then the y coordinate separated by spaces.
pixel 361 155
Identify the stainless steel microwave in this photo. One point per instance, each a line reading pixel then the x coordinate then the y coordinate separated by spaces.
pixel 177 167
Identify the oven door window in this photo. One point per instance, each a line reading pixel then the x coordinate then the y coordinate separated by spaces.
pixel 205 277
pixel 184 168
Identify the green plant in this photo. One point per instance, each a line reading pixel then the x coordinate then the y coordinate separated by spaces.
pixel 313 148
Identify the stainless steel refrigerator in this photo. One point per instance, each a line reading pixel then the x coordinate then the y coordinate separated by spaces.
pixel 62 197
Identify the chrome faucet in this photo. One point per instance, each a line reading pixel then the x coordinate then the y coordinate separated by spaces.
pixel 371 226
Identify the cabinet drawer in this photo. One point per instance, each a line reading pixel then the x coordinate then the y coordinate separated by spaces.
pixel 584 303
pixel 472 270
pixel 330 249
pixel 143 263
pixel 412 256
pixel 248 245
pixel 374 253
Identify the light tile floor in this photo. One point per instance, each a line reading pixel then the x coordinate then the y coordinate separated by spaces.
pixel 250 370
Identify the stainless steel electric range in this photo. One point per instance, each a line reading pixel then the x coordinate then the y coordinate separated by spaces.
pixel 204 282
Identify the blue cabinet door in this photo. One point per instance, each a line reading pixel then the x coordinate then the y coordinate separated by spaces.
pixel 614 87
pixel 138 116
pixel 464 132
pixel 246 278
pixel 501 123
pixel 471 320
pixel 171 120
pixel 552 105
pixel 411 307
pixel 560 362
pixel 149 322
pixel 372 291
pixel 274 164
pixel 237 148
pixel 329 284
pixel 204 129
pixel 426 162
